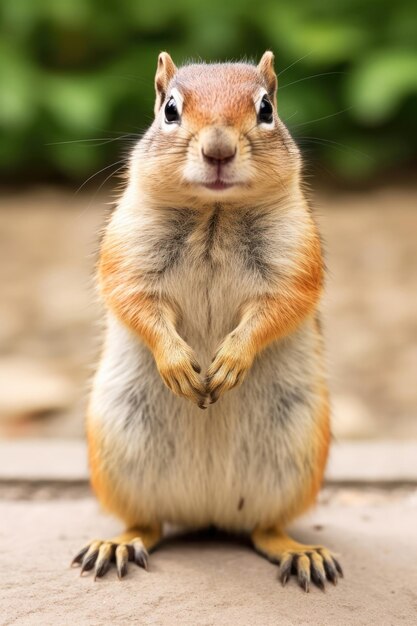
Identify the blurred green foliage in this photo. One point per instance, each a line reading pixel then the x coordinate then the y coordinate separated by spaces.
pixel 76 76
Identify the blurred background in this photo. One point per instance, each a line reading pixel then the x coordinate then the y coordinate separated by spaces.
pixel 76 92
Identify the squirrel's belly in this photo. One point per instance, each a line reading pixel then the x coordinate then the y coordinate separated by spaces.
pixel 209 303
pixel 234 465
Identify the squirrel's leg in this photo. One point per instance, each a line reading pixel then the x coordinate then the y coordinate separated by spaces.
pixel 263 320
pixel 132 545
pixel 142 534
pixel 152 318
pixel 308 562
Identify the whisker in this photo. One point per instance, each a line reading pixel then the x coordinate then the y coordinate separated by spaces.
pixel 325 117
pixel 97 173
pixel 251 129
pixel 187 130
pixel 295 63
pixel 107 178
pixel 103 140
pixel 101 186
pixel 129 77
pixel 342 147
pixel 108 131
pixel 310 77
pixel 291 116
pixel 171 150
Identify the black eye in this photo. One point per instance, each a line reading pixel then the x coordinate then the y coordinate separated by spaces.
pixel 171 112
pixel 266 114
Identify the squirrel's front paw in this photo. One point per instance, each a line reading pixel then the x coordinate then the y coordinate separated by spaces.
pixel 228 368
pixel 179 370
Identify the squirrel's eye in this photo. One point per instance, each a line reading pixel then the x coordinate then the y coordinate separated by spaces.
pixel 171 111
pixel 265 115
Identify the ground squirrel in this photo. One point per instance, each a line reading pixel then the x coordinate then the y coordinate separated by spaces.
pixel 211 271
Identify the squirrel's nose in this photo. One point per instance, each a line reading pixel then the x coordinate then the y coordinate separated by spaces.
pixel 218 147
pixel 219 156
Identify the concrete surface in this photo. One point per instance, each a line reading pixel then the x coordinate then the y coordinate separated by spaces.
pixel 205 581
pixel 359 462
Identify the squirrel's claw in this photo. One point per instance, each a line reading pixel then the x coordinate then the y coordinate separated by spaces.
pixel 228 367
pixel 303 572
pixel 309 563
pixel 330 566
pixel 90 557
pixel 338 567
pixel 179 370
pixel 101 554
pixel 140 553
pixel 77 560
pixel 122 557
pixel 314 565
pixel 285 569
pixel 104 559
pixel 191 389
pixel 223 375
pixel 318 573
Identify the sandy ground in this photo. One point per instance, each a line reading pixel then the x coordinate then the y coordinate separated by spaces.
pixel 211 580
pixel 49 316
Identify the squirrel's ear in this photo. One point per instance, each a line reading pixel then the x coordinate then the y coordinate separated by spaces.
pixel 164 73
pixel 266 69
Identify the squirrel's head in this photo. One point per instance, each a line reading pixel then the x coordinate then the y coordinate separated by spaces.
pixel 216 133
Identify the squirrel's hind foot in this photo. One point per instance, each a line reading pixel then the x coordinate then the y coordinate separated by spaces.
pixel 132 546
pixel 309 563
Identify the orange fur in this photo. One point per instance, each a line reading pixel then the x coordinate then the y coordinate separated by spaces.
pixel 99 480
pixel 111 494
pixel 226 96
pixel 321 444
pixel 276 316
pixel 145 314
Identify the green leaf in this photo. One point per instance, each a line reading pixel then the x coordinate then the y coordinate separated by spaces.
pixel 18 93
pixel 380 83
pixel 77 102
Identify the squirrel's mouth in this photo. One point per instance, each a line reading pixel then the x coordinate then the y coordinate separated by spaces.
pixel 219 185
